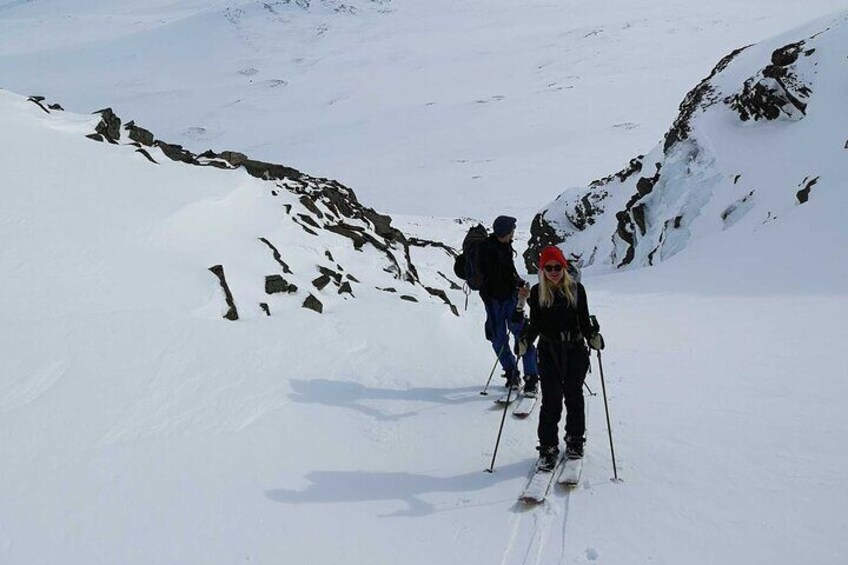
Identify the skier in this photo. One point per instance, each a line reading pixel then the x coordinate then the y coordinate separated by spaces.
pixel 559 316
pixel 503 293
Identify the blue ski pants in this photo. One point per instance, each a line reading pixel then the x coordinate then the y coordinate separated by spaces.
pixel 499 324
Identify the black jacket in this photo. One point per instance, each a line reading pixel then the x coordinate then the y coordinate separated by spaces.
pixel 500 279
pixel 560 321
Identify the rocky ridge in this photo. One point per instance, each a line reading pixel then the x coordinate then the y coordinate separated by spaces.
pixel 324 209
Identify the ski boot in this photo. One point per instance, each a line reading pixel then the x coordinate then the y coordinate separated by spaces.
pixel 547 458
pixel 574 447
pixel 531 385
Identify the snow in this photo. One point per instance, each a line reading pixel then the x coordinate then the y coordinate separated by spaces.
pixel 138 427
pixel 484 106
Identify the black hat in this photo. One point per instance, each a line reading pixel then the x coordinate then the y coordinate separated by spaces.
pixel 503 225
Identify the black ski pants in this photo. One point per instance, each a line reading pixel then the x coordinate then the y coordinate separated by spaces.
pixel 562 370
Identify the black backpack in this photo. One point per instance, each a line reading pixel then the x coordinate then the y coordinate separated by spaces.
pixel 467 264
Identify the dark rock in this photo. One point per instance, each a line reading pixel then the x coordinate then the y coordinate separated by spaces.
pixel 787 54
pixel 638 213
pixel 138 134
pixel 351 232
pixel 176 152
pixel 677 222
pixel 651 255
pixel 276 283
pixel 804 194
pixel 345 288
pixel 146 154
pixel 351 277
pixel 441 294
pixel 321 282
pixel 452 284
pixel 308 220
pixel 542 234
pixel 632 168
pixel 56 107
pixel 37 100
pixel 387 289
pixel 260 169
pixel 313 303
pixel 109 126
pixel 95 137
pixel 416 242
pixel 277 257
pixel 265 308
pixel 736 178
pixel 775 91
pixel 310 205
pixel 232 313
pixel 337 277
pixel 408 298
pixel 624 233
pixel 329 255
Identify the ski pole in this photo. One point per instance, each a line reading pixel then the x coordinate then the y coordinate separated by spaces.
pixel 491 468
pixel 492 373
pixel 609 428
pixel 590 370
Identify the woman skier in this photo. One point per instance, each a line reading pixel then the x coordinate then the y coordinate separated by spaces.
pixel 559 316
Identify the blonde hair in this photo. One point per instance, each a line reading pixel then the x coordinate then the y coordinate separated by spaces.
pixel 565 287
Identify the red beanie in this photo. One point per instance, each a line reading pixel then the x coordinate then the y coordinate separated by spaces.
pixel 551 253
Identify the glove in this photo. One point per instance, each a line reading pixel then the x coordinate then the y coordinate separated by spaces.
pixel 521 347
pixel 593 322
pixel 517 316
pixel 596 341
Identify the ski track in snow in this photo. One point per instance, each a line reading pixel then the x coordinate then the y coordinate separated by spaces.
pixel 33 387
pixel 531 529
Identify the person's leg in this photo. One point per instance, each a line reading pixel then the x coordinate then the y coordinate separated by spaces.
pixel 529 359
pixel 496 332
pixel 551 410
pixel 577 363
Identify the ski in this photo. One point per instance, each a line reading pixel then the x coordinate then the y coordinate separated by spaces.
pixel 525 406
pixel 508 397
pixel 539 484
pixel 570 471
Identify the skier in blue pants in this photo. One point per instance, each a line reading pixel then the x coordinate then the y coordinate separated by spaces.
pixel 501 291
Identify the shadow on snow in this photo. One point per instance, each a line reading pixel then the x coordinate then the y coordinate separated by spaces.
pixel 354 396
pixel 358 486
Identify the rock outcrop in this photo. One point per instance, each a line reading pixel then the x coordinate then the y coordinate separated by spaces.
pixel 740 147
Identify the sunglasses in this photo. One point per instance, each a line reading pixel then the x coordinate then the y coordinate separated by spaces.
pixel 553 268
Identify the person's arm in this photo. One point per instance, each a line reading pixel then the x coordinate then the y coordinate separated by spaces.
pixel 586 327
pixel 588 324
pixel 535 314
pixel 530 332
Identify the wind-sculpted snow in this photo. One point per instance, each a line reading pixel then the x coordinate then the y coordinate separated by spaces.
pixel 742 152
pixel 325 248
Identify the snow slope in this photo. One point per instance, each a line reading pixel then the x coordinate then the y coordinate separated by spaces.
pixel 137 426
pixel 483 106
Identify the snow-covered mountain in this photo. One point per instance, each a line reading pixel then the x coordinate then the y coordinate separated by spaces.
pixel 764 133
pixel 438 107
